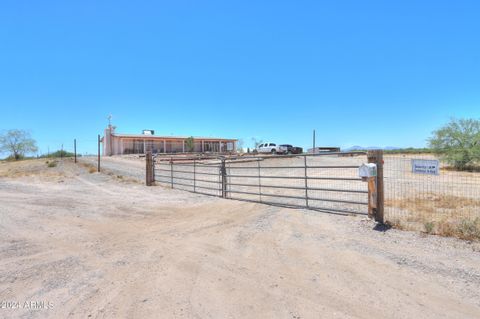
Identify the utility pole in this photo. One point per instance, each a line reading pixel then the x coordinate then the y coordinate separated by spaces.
pixel 98 154
pixel 313 149
pixel 110 136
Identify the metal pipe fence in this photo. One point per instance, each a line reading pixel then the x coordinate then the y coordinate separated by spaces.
pixel 412 198
pixel 322 182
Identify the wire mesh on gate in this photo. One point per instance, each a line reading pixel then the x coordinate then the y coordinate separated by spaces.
pixel 324 182
pixel 417 198
pixel 190 175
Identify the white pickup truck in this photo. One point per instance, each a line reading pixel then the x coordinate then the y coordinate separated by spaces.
pixel 271 148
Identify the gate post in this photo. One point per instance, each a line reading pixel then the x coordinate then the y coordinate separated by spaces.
pixel 149 168
pixel 377 210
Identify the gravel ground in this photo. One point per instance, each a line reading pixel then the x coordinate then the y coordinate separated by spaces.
pixel 128 166
pixel 92 245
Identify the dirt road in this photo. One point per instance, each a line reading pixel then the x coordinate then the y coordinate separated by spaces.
pixel 92 245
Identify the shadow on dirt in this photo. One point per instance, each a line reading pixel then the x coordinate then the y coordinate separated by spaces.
pixel 382 227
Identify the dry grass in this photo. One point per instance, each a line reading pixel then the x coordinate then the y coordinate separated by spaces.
pixel 31 168
pixel 51 164
pixel 90 168
pixel 444 215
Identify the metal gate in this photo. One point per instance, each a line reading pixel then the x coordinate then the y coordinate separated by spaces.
pixel 323 182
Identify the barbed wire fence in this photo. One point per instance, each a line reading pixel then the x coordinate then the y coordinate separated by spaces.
pixel 84 147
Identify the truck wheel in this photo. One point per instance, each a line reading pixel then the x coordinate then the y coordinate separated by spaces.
pixel 274 151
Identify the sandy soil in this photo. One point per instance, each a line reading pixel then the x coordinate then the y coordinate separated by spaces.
pixel 92 245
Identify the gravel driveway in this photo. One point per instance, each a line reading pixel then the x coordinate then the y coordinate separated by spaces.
pixel 92 245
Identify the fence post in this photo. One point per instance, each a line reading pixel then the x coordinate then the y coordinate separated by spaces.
pixel 98 154
pixel 306 180
pixel 376 156
pixel 223 171
pixel 149 168
pixel 75 149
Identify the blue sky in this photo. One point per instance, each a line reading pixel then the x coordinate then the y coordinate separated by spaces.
pixel 359 72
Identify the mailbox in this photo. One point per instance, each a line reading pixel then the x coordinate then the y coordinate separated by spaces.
pixel 366 171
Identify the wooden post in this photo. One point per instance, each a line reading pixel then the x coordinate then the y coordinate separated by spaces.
pixel 149 169
pixel 98 154
pixel 372 196
pixel 75 149
pixel 377 209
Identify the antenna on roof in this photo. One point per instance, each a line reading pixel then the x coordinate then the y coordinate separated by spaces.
pixel 109 117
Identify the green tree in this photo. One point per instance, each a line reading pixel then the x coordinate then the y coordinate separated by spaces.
pixel 190 144
pixel 17 143
pixel 458 142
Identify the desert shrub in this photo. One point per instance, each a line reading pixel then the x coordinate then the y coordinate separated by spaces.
pixel 429 226
pixel 469 229
pixel 18 157
pixel 409 150
pixel 92 170
pixel 458 143
pixel 446 228
pixel 398 224
pixel 443 215
pixel 60 153
pixel 52 164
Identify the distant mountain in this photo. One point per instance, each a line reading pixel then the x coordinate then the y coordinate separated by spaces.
pixel 354 148
pixel 363 148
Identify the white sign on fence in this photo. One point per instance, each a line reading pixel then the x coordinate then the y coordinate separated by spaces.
pixel 422 166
